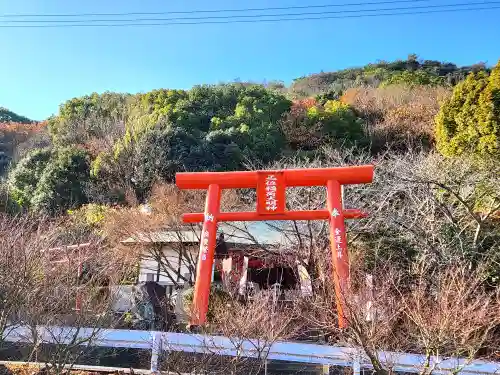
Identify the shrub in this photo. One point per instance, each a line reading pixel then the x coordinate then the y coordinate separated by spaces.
pixel 7 204
pixel 90 214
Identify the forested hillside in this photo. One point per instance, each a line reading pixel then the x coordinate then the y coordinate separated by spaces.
pixel 9 116
pixel 410 72
pixel 106 147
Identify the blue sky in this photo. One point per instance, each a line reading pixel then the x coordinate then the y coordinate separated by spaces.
pixel 41 68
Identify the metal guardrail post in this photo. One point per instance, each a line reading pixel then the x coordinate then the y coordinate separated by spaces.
pixel 156 348
pixel 356 366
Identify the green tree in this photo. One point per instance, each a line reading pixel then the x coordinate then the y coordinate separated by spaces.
pixel 62 183
pixel 311 124
pixel 337 121
pixel 254 123
pixel 161 153
pixel 51 182
pixel 25 176
pixel 222 150
pixel 90 116
pixel 469 122
pixel 205 128
pixel 149 109
pixel 342 123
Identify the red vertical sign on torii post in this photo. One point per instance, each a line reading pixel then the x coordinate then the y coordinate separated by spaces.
pixel 271 205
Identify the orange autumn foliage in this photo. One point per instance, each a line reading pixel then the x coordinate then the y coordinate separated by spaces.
pixel 21 128
pixel 299 106
pixel 16 133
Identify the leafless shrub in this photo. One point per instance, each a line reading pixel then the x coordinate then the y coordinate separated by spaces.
pixel 261 317
pixel 157 233
pixel 439 313
pixel 40 286
pixel 145 231
pixel 299 132
pixel 398 115
pixel 251 328
pixel 20 264
pixel 452 313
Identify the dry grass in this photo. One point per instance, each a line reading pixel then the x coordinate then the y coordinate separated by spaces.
pixel 397 114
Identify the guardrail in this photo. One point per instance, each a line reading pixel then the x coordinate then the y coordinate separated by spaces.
pixel 159 342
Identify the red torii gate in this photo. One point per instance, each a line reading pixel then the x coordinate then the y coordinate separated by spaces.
pixel 271 187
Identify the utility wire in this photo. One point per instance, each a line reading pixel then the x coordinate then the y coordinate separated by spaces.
pixel 302 14
pixel 209 10
pixel 248 21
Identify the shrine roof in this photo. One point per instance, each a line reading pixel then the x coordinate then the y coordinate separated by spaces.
pixel 254 233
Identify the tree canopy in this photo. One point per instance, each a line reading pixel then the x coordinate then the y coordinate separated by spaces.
pixel 469 122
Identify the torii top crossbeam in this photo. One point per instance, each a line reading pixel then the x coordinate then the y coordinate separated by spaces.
pixel 271 186
pixel 292 177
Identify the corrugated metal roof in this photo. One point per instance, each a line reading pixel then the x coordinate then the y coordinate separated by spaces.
pixel 237 233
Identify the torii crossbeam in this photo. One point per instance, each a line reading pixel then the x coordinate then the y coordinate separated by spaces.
pixel 271 186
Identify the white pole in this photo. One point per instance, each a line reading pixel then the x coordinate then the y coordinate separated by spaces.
pixel 156 347
pixel 356 366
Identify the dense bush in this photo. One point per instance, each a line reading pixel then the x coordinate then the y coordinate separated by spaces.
pixel 25 176
pixel 205 128
pixel 469 122
pixel 163 152
pixel 413 78
pixel 7 204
